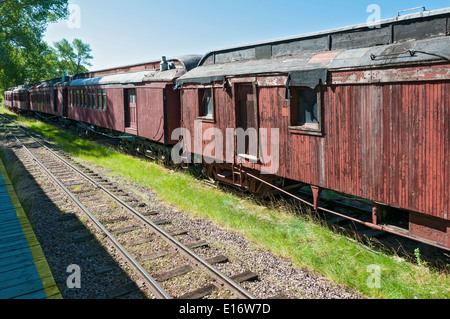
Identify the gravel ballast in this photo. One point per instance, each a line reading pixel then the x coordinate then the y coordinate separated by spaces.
pixel 276 276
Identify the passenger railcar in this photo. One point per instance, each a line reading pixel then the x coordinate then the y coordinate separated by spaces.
pixel 362 110
pixel 49 97
pixel 20 98
pixel 138 100
pixel 8 98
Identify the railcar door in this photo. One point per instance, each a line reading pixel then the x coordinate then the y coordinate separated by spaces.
pixel 130 109
pixel 247 123
pixel 55 101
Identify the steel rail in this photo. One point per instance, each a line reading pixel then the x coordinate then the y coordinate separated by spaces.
pixel 150 282
pixel 222 279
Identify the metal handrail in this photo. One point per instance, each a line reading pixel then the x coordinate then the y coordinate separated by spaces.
pixel 422 7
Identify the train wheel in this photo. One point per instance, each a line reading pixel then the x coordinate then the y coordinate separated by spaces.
pixel 162 157
pixel 127 147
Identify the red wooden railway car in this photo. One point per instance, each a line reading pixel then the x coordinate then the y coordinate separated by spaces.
pixel 138 100
pixel 8 98
pixel 20 99
pixel 359 110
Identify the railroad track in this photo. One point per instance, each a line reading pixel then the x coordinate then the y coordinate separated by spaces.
pixel 113 214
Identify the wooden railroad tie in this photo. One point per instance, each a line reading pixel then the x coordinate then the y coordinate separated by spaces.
pixel 206 290
pixel 187 268
pixel 162 253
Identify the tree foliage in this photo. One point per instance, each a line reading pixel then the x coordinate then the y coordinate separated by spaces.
pixel 24 56
pixel 73 57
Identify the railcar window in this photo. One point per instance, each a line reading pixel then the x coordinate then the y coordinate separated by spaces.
pixel 83 98
pixel 306 110
pixel 205 103
pixel 132 96
pixel 100 103
pixel 92 97
pixel 104 99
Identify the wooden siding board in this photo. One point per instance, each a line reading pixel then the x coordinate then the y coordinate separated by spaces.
pixel 403 145
pixel 350 141
pixel 431 189
pixel 357 117
pixel 396 135
pixel 427 153
pixel 364 144
pixel 334 121
pixel 435 198
pixel 337 159
pixel 446 146
pixel 431 149
pixel 330 133
pixel 376 142
pixel 353 141
pixel 370 143
pixel 441 172
pixel 431 198
pixel 344 139
pixel 441 163
pixel 422 153
pixel 412 124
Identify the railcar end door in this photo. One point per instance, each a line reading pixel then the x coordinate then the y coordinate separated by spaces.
pixel 55 101
pixel 247 120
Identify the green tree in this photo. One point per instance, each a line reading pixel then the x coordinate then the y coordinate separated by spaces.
pixel 24 57
pixel 73 58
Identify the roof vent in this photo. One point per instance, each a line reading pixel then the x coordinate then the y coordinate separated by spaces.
pixel 164 65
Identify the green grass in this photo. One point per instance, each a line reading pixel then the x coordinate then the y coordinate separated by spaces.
pixel 283 230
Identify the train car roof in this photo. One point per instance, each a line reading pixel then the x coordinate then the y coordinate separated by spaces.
pixel 120 78
pixel 142 76
pixel 402 40
pixel 22 88
pixel 50 83
pixel 188 62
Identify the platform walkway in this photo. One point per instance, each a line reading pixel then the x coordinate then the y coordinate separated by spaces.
pixel 24 271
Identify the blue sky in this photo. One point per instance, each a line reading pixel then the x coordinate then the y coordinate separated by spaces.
pixel 126 32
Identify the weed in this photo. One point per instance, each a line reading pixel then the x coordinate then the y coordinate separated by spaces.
pixel 419 259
